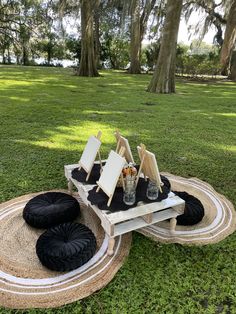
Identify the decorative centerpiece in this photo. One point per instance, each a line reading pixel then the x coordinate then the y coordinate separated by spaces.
pixel 129 174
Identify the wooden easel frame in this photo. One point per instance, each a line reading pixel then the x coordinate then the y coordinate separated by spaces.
pixel 81 165
pixel 122 141
pixel 148 166
pixel 108 164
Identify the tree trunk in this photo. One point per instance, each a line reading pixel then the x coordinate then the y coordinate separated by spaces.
pixel 135 44
pixel 87 65
pixel 49 58
pixel 25 38
pixel 25 57
pixel 138 28
pixel 3 56
pixel 163 80
pixel 229 39
pixel 233 67
pixel 8 56
pixel 49 52
pixel 97 13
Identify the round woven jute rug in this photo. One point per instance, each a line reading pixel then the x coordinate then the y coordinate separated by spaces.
pixel 219 220
pixel 25 283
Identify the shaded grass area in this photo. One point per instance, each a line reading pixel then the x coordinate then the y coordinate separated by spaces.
pixel 46 116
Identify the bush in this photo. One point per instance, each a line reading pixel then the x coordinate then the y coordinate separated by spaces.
pixel 115 52
pixel 195 65
pixel 151 52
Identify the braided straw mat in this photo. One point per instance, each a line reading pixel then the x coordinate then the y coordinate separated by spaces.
pixel 25 283
pixel 219 220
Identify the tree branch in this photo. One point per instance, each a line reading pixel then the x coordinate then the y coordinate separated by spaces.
pixel 208 10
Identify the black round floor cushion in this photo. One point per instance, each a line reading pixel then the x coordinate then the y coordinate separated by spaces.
pixel 66 246
pixel 50 209
pixel 193 212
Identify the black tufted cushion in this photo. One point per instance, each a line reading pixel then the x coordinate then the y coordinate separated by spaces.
pixel 66 246
pixel 50 209
pixel 193 212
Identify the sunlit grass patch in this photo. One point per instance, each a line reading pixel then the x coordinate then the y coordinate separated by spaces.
pixel 74 137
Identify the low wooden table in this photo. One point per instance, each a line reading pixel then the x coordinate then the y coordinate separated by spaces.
pixel 118 223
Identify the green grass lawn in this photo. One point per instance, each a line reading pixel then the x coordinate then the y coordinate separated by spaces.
pixel 46 116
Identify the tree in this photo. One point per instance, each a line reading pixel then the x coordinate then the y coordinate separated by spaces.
pixel 233 67
pixel 135 45
pixel 229 39
pixel 24 36
pixel 97 16
pixel 19 23
pixel 51 47
pixel 9 26
pixel 87 65
pixel 220 14
pixel 163 80
pixel 211 8
pixel 114 34
pixel 139 19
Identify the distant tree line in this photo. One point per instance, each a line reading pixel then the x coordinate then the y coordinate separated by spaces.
pixel 109 33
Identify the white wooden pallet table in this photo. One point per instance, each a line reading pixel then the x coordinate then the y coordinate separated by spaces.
pixel 118 223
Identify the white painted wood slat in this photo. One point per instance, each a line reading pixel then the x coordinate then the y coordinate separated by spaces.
pixel 137 223
pixel 145 209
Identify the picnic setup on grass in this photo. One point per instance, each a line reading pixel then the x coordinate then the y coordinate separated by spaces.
pixel 63 245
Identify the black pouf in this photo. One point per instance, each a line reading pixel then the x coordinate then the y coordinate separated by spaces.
pixel 66 246
pixel 50 209
pixel 193 212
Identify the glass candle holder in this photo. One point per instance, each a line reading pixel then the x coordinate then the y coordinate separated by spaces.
pixel 152 191
pixel 129 196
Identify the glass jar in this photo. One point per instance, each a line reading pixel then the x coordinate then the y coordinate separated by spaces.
pixel 152 191
pixel 129 196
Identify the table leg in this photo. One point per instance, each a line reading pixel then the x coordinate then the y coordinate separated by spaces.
pixel 111 243
pixel 173 223
pixel 70 187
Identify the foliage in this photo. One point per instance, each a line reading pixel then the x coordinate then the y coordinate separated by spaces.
pixel 35 29
pixel 19 22
pixel 74 47
pixel 151 52
pixel 38 28
pixel 30 28
pixel 156 21
pixel 190 63
pixel 50 48
pixel 45 123
pixel 201 48
pixel 115 52
pixel 214 12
